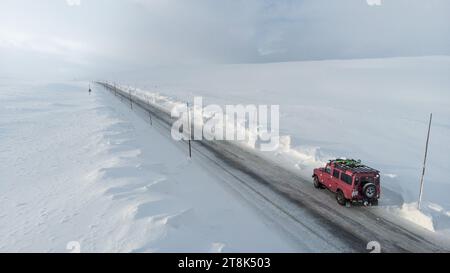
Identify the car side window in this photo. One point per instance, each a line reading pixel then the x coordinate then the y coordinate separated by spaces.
pixel 346 178
pixel 336 173
pixel 327 169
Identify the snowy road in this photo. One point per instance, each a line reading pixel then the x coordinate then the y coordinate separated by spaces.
pixel 318 219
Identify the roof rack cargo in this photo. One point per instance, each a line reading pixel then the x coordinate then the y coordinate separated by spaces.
pixel 352 165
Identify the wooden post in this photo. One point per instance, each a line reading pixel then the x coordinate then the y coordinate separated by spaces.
pixel 424 162
pixel 150 115
pixel 131 102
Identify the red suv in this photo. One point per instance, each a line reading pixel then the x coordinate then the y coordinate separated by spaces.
pixel 350 180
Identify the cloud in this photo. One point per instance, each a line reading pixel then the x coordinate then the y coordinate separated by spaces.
pixel 65 48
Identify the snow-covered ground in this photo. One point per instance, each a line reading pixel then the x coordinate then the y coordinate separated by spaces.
pixel 375 110
pixel 84 168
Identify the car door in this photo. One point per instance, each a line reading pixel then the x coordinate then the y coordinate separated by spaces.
pixel 334 180
pixel 327 177
pixel 346 184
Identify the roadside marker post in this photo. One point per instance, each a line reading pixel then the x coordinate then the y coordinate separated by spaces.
pixel 131 101
pixel 150 115
pixel 424 162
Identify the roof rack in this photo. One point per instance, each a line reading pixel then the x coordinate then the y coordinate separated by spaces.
pixel 352 165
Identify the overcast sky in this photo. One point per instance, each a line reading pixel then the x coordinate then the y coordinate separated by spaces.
pixel 90 38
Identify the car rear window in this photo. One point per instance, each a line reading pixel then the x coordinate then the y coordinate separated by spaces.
pixel 336 173
pixel 346 178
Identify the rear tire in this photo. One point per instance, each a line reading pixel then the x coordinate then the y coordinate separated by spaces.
pixel 317 183
pixel 340 198
pixel 369 191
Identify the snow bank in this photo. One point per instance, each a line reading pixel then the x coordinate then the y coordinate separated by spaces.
pixel 411 213
pixel 300 159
